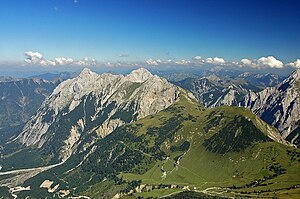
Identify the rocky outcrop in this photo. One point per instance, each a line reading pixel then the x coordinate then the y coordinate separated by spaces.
pixel 92 103
pixel 279 105
pixel 229 97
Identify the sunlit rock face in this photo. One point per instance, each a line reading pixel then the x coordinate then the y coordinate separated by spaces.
pixel 279 105
pixel 95 104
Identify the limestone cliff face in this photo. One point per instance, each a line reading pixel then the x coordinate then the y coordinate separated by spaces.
pixel 92 103
pixel 279 105
pixel 229 97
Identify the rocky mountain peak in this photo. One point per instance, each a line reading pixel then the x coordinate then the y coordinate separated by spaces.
pixel 139 75
pixel 290 82
pixel 86 72
pixel 96 104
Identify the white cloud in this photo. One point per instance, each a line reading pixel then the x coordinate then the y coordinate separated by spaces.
pixel 63 61
pixel 215 60
pixel 37 58
pixel 246 62
pixel 183 62
pixel 295 64
pixel 263 62
pixel 269 61
pixel 85 62
pixel 209 60
pixel 197 58
pixel 152 62
pixel 33 57
pixel 45 62
pixel 219 60
pixel 157 62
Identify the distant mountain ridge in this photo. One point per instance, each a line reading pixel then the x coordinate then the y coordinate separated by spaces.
pixel 56 77
pixel 215 90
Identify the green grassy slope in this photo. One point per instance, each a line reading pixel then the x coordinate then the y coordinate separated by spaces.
pixel 228 148
pixel 224 151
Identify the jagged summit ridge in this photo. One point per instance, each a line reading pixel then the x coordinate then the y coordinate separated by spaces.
pixel 87 82
pixel 279 105
pixel 97 103
pixel 293 78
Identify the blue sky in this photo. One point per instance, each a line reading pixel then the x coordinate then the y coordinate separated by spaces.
pixel 141 31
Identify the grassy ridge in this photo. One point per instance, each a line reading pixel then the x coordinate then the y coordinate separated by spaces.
pixel 258 159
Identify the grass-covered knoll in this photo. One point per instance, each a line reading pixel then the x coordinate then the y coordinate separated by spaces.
pixel 236 135
pixel 228 147
pixel 224 151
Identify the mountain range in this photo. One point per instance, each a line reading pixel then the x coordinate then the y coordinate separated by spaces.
pixel 137 135
pixel 279 106
pixel 274 99
pixel 92 103
pixel 216 89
